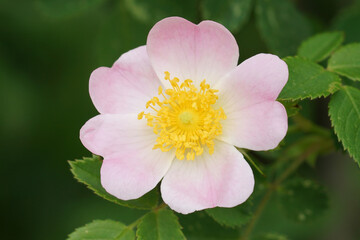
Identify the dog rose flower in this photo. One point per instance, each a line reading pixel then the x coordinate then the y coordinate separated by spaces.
pixel 173 110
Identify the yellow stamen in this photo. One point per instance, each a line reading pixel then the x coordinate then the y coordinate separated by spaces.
pixel 140 115
pixel 185 120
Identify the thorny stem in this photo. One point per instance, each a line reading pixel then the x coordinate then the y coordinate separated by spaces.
pixel 273 186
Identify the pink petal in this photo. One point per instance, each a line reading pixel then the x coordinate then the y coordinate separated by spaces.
pixel 130 168
pixel 205 51
pixel 257 79
pixel 222 179
pixel 134 172
pixel 258 127
pixel 107 134
pixel 126 86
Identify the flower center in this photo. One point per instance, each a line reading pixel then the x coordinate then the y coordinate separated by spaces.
pixel 185 119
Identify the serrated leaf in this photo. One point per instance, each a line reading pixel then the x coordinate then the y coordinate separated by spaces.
pixel 103 230
pixel 201 226
pixel 320 46
pixel 281 26
pixel 308 80
pixel 233 14
pixel 87 171
pixel 302 200
pixel 159 225
pixel 150 12
pixel 270 236
pixel 344 110
pixel 66 8
pixel 231 217
pixel 346 61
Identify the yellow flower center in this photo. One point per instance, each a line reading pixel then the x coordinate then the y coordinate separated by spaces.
pixel 185 119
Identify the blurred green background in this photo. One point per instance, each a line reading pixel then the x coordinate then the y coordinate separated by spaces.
pixel 48 50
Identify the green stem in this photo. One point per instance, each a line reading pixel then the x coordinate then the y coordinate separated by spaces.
pixel 257 213
pixel 275 185
pixel 250 160
pixel 308 126
pixel 137 221
pixel 162 205
pixel 199 14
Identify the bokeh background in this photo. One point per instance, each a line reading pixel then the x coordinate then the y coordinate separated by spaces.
pixel 48 49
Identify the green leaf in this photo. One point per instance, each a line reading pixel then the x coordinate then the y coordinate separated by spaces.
pixel 320 46
pixel 87 171
pixel 344 110
pixel 233 14
pixel 150 12
pixel 159 225
pixel 201 226
pixel 231 217
pixel 270 236
pixel 308 80
pixel 302 199
pixel 103 230
pixel 346 61
pixel 66 8
pixel 281 26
